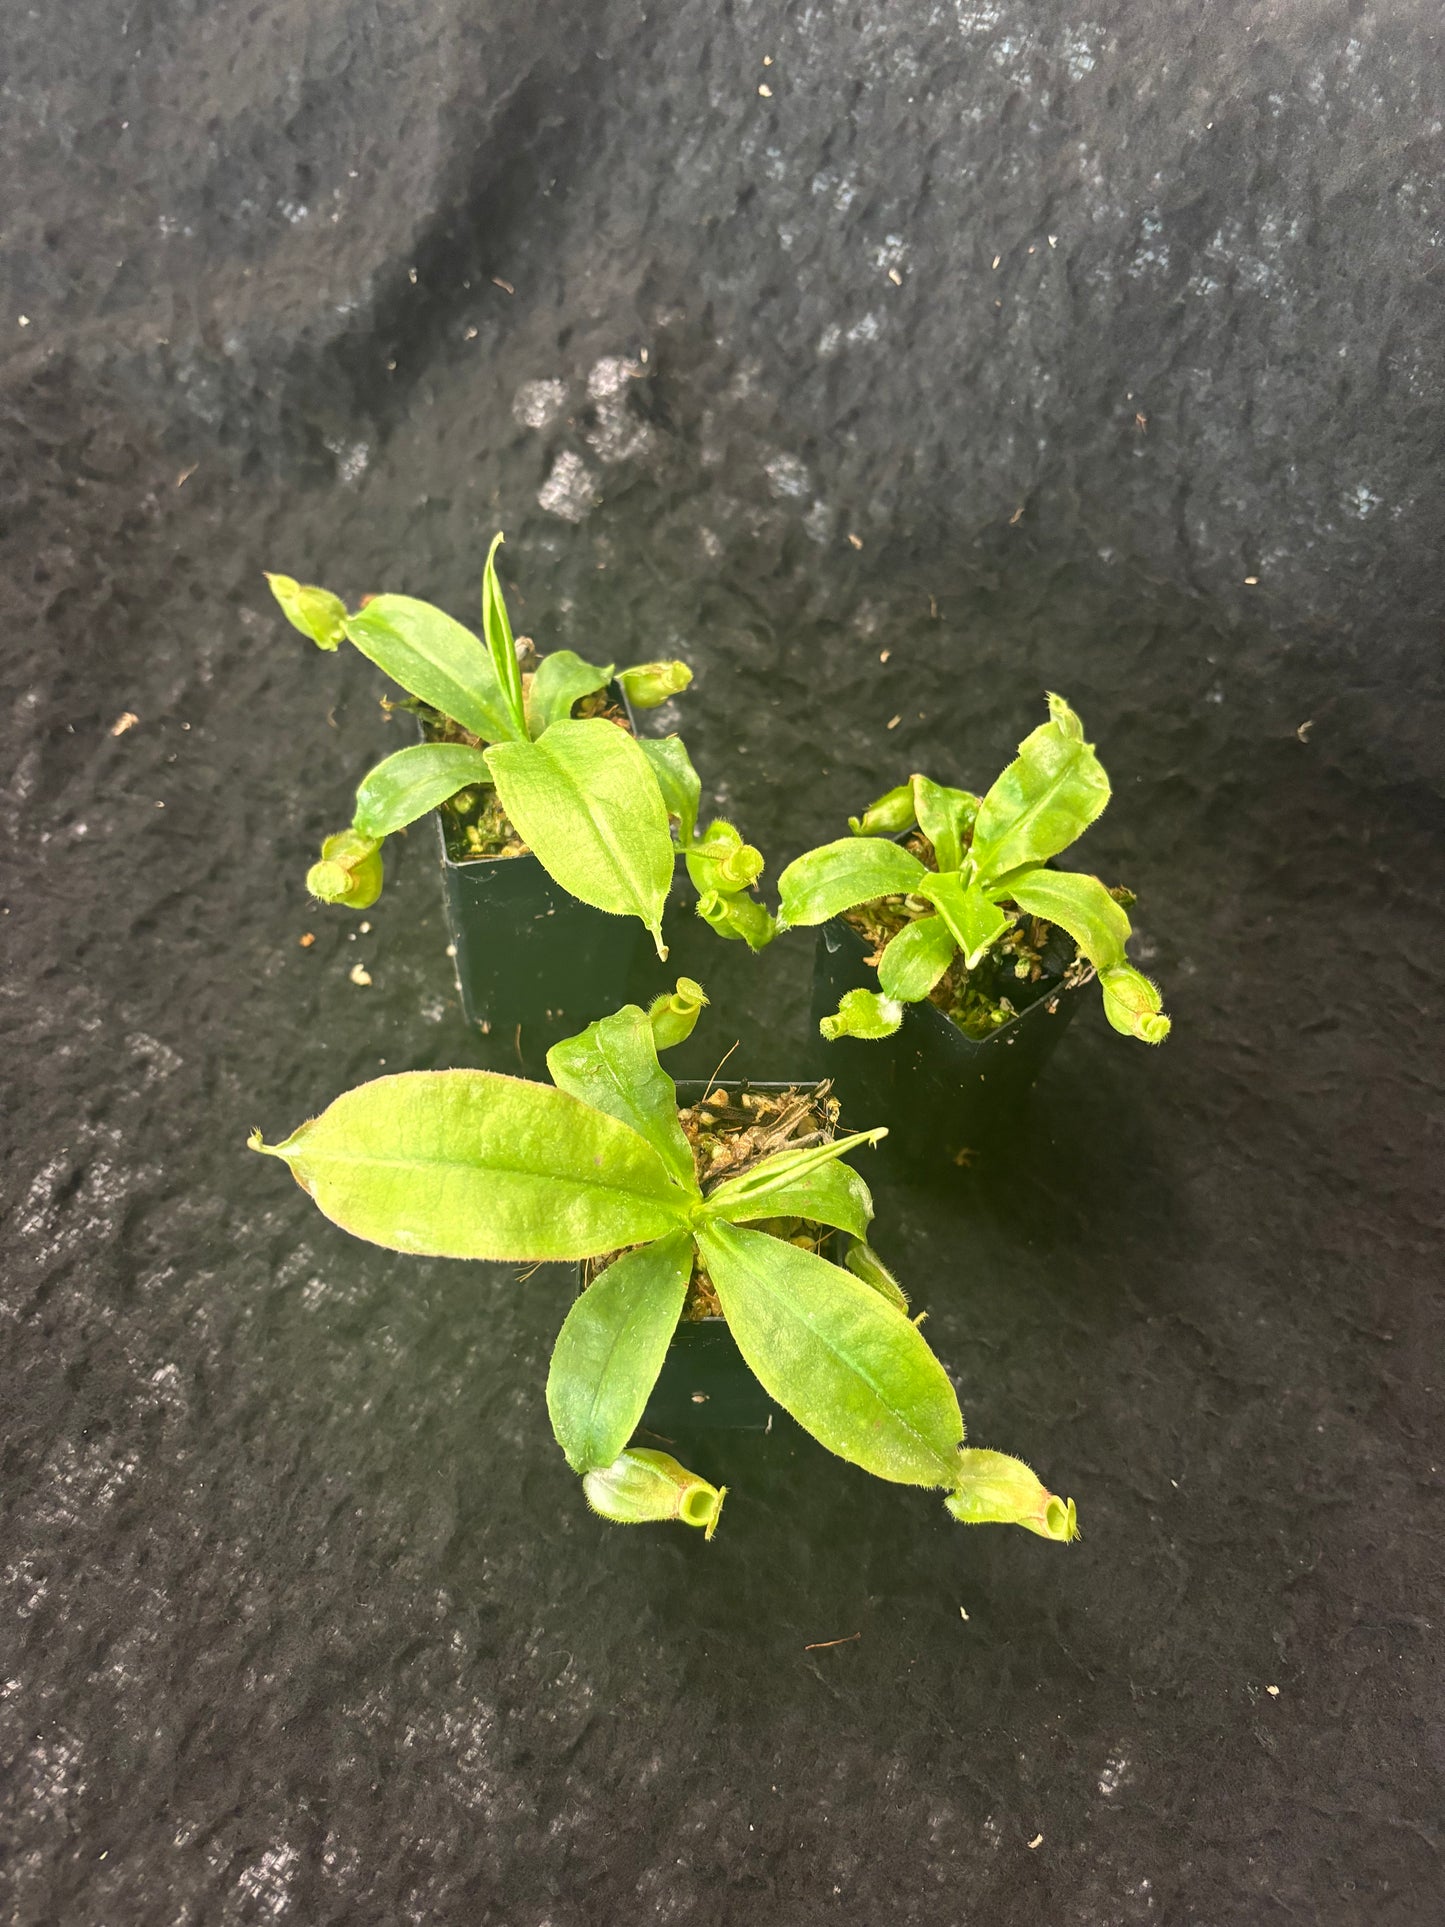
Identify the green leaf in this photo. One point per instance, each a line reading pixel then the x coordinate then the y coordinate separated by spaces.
pixel 1046 798
pixel 613 1067
pixel 945 817
pixel 994 1489
pixel 584 799
pixel 975 919
pixel 677 779
pixel 837 876
pixel 785 1171
pixel 435 658
pixel 561 679
pixel 892 813
pixel 849 1366
pixel 1078 904
pixel 611 1347
pixel 317 613
pixel 497 628
pixel 1100 927
pixel 1133 1005
pixel 412 781
pixel 833 1194
pixel 863 1261
pixel 643 1486
pixel 915 959
pixel 863 1013
pixel 468 1164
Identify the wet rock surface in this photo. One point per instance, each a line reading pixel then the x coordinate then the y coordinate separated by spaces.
pixel 993 349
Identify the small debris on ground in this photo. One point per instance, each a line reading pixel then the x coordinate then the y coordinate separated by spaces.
pixel 895 277
pixel 505 286
pixel 1251 582
pixel 856 540
pixel 765 90
pixel 820 1645
pixel 996 259
pixel 884 654
pixel 1037 1841
pixel 1273 1692
pixel 186 474
pixel 306 939
pixel 1016 517
pixel 963 1612
pixel 894 722
pixel 364 928
pixel 360 974
pixel 127 719
pixel 1303 732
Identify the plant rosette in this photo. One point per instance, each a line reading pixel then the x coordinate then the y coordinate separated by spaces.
pixel 959 911
pixel 732 1124
pixel 472 1164
pixel 598 807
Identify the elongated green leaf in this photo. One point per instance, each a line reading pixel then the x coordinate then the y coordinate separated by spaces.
pixel 848 1365
pixel 1046 798
pixel 467 1164
pixel 435 658
pixel 413 781
pixel 945 817
pixel 677 779
pixel 497 629
pixel 836 876
pixel 832 1194
pixel 561 679
pixel 975 920
pixel 1079 904
pixel 611 1347
pixel 613 1067
pixel 736 1197
pixel 584 798
pixel 915 959
pixel 863 1013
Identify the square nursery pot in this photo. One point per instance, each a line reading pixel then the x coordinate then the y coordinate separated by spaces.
pixel 533 965
pixel 940 1092
pixel 704 1384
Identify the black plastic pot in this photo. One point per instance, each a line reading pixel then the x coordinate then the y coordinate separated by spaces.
pixel 704 1382
pixel 533 964
pixel 940 1092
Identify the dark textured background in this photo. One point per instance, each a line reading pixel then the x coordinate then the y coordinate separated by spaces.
pixel 303 1616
